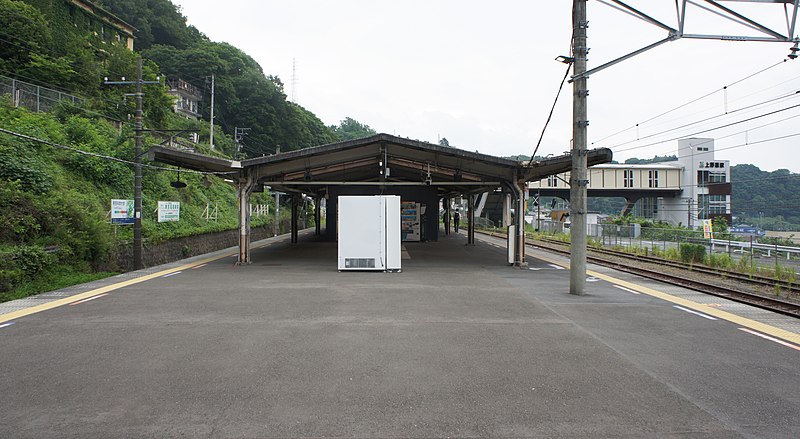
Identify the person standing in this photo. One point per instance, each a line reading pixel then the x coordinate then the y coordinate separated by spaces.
pixel 456 219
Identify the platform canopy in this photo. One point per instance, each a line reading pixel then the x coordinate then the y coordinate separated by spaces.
pixel 381 159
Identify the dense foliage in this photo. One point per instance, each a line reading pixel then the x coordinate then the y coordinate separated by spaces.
pixel 54 202
pixel 350 128
pixel 244 96
pixel 768 199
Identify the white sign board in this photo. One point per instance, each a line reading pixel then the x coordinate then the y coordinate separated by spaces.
pixel 122 211
pixel 169 211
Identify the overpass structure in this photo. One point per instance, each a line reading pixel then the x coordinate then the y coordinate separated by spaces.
pixel 382 164
pixel 694 187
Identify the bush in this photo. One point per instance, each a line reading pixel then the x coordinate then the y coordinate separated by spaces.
pixel 9 279
pixel 693 253
pixel 719 261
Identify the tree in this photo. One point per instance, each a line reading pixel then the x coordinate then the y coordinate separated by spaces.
pixel 444 142
pixel 350 128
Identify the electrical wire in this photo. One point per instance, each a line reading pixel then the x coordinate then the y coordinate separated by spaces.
pixel 678 150
pixel 550 116
pixel 770 101
pixel 691 101
pixel 710 129
pixel 105 157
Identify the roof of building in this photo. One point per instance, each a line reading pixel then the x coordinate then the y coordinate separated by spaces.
pixel 362 161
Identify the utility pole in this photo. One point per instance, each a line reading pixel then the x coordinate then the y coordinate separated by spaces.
pixel 578 181
pixel 211 138
pixel 137 161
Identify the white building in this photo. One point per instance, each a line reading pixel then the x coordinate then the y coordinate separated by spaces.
pixel 706 188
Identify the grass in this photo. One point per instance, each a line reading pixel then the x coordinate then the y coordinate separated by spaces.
pixel 54 279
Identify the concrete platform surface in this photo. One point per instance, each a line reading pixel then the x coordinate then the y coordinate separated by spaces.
pixel 458 344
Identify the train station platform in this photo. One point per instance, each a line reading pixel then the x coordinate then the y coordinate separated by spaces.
pixel 458 344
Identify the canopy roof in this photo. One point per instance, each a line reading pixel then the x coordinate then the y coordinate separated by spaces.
pixel 381 159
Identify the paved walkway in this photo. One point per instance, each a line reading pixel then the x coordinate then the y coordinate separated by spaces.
pixel 457 345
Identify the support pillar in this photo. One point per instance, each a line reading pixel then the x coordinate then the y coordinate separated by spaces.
pixel 244 187
pixel 295 203
pixel 507 210
pixel 519 212
pixel 446 205
pixel 471 219
pixel 317 215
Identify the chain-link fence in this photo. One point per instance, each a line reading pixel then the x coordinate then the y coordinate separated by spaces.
pixel 34 97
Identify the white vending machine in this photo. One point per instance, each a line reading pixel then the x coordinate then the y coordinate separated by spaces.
pixel 369 232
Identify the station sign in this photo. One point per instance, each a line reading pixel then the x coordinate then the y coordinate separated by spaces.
pixel 169 211
pixel 122 211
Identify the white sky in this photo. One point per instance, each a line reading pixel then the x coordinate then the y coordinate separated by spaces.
pixel 483 74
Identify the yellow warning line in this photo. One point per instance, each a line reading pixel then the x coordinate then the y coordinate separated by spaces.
pixel 710 310
pixel 67 300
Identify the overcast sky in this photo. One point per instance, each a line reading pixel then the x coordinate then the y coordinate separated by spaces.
pixel 483 75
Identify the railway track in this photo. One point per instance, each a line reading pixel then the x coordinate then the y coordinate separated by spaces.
pixel 754 279
pixel 701 279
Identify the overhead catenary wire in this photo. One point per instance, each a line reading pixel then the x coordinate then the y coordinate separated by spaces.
pixel 710 129
pixel 770 101
pixel 690 102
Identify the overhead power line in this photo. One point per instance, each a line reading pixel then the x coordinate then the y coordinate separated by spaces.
pixel 770 101
pixel 690 102
pixel 102 156
pixel 708 130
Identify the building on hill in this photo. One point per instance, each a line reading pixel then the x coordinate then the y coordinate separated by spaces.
pixel 101 23
pixel 90 19
pixel 187 98
pixel 685 192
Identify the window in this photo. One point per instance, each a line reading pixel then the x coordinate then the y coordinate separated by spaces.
pixel 627 178
pixel 653 178
pixel 709 205
pixel 706 177
pixel 552 181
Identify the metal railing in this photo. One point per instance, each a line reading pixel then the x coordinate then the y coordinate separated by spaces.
pixel 34 97
pixel 614 235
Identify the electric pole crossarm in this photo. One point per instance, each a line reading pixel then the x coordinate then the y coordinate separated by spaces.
pixel 752 23
pixel 638 14
pixel 624 57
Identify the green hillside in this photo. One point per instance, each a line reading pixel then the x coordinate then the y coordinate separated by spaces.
pixel 60 169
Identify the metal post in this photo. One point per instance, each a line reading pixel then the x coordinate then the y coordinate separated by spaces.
pixel 577 278
pixel 294 217
pixel 317 215
pixel 137 172
pixel 539 208
pixel 470 219
pixel 446 216
pixel 243 190
pixel 520 222
pixel 277 213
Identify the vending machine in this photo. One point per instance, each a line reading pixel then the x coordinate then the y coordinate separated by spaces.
pixel 369 232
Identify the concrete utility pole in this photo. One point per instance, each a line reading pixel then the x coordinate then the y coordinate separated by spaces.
pixel 137 161
pixel 578 181
pixel 211 135
pixel 137 172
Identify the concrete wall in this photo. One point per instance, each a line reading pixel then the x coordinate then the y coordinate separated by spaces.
pixel 120 259
pixel 420 194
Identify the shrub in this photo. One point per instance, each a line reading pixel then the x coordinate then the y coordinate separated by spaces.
pixel 719 261
pixel 693 253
